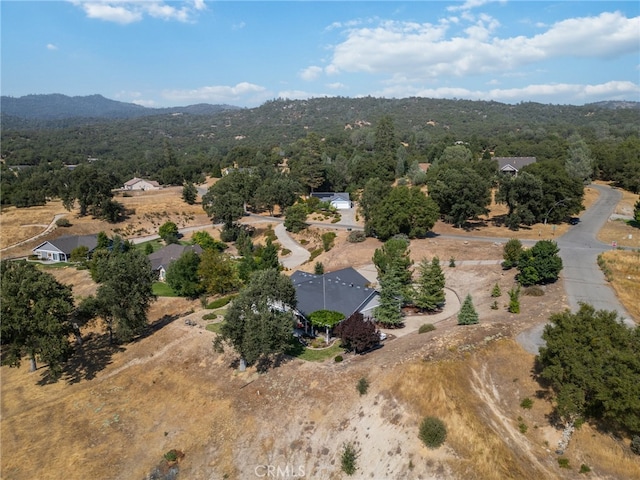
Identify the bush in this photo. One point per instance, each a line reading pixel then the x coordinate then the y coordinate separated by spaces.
pixel 363 386
pixel 584 468
pixel 494 305
pixel 496 292
pixel 526 403
pixel 63 222
pixel 433 432
pixel 171 456
pixel 318 269
pixel 348 460
pixel 427 327
pixel 523 427
pixel 563 462
pixel 327 240
pixel 338 358
pixel 452 262
pixel 315 253
pixel 534 291
pixel 635 444
pixel 514 300
pixel 220 302
pixel 356 236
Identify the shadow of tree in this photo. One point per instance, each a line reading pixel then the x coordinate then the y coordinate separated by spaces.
pixel 96 353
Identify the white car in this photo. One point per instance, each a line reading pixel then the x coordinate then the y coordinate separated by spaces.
pixel 382 335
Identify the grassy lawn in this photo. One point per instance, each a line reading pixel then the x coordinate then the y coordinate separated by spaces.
pixel 157 244
pixel 215 327
pixel 161 289
pixel 312 355
pixel 54 265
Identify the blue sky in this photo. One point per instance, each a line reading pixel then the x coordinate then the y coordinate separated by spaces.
pixel 158 53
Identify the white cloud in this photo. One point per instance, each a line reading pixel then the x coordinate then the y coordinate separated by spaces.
pixel 125 11
pixel 427 50
pixel 310 73
pixel 242 93
pixel 238 26
pixel 560 93
pixel 336 86
pixel 51 46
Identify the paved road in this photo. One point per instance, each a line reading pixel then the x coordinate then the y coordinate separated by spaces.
pixel 583 279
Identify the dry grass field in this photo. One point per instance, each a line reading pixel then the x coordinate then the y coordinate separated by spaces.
pixel 119 409
pixel 623 271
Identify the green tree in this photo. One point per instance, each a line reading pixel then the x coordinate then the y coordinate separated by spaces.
pixel 591 361
pixel 511 253
pixel 90 188
pixel 405 210
pixel 459 190
pixel 35 311
pixel 207 242
pixel 125 293
pixel 636 213
pixel 496 292
pixel 467 314
pixel 260 321
pixel 579 162
pixel 388 312
pixel 326 319
pixel 524 196
pixel 429 293
pixel 385 147
pixel 394 259
pixel 318 268
pixel 269 256
pixel 514 300
pixel 218 273
pixel 540 264
pixel 79 254
pixel 169 232
pixel 189 193
pixel 182 275
pixel 375 190
pixel 295 218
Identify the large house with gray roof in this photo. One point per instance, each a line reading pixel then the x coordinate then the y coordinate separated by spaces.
pixel 59 250
pixel 338 200
pixel 344 291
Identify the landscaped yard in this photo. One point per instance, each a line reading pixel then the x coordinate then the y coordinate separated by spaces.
pixel 161 289
pixel 320 355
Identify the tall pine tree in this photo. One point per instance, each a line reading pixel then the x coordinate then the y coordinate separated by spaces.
pixel 429 293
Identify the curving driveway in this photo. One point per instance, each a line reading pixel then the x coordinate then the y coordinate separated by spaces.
pixel 583 279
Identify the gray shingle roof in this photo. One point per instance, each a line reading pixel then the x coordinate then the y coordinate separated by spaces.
pixel 166 255
pixel 342 291
pixel 67 243
pixel 516 163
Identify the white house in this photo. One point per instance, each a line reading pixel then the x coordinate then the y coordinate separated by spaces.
pixel 141 184
pixel 338 200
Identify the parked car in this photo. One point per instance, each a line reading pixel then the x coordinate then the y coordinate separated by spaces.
pixel 574 220
pixel 382 335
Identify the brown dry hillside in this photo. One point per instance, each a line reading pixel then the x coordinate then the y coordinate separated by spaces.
pixel 119 409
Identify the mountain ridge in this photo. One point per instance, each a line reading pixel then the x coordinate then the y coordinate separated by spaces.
pixel 57 106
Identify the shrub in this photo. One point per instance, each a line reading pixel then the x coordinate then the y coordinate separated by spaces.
pixel 427 327
pixel 635 444
pixel 523 427
pixel 433 432
pixel 514 300
pixel 210 316
pixel 63 222
pixel 496 292
pixel 563 462
pixel 356 236
pixel 534 291
pixel 363 386
pixel 171 456
pixel 327 240
pixel 584 468
pixel 526 403
pixel 318 269
pixel 452 262
pixel 494 305
pixel 220 302
pixel 315 253
pixel 348 460
pixel 338 358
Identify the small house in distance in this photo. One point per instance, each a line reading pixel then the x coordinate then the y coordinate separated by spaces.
pixel 141 184
pixel 338 200
pixel 59 250
pixel 512 165
pixel 344 291
pixel 161 259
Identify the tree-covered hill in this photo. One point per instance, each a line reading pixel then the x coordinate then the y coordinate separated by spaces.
pixel 40 109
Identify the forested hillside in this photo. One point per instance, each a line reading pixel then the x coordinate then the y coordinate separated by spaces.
pixel 331 138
